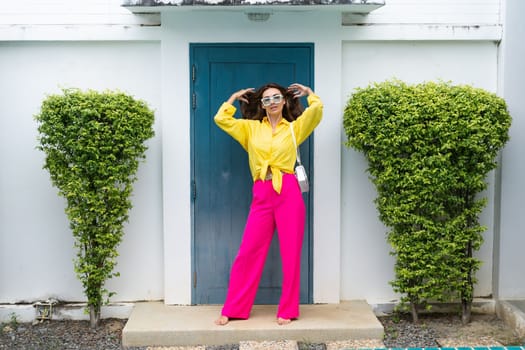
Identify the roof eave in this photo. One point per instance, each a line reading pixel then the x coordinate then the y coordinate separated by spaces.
pixel 156 6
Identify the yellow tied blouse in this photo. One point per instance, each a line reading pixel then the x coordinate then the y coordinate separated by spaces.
pixel 265 148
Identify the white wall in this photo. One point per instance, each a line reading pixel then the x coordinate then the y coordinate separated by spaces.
pixel 36 245
pixel 75 20
pixel 45 44
pixel 511 284
pixel 69 12
pixel 366 264
pixel 436 12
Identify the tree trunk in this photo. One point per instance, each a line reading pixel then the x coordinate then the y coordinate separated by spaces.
pixel 466 299
pixel 413 310
pixel 94 316
pixel 466 312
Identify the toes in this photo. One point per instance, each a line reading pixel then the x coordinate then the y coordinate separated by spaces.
pixel 282 321
pixel 221 321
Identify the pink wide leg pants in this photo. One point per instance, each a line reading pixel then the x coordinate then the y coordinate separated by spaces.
pixel 269 210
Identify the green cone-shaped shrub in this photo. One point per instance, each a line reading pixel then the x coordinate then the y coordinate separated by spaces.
pixel 429 148
pixel 93 143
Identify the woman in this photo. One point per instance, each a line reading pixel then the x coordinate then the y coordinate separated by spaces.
pixel 277 201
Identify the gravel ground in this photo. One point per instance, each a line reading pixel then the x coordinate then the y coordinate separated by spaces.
pixel 432 331
pixel 446 330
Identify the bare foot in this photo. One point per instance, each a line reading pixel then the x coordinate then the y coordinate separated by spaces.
pixel 222 321
pixel 282 321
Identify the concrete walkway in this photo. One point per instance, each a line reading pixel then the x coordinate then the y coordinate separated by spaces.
pixel 156 324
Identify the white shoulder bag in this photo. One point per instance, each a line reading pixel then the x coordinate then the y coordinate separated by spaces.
pixel 300 171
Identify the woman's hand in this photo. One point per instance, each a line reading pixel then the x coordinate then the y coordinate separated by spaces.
pixel 240 95
pixel 299 90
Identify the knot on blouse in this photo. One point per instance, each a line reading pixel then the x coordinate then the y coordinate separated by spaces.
pixel 277 176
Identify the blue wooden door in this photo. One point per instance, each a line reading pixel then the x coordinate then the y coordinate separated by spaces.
pixel 221 180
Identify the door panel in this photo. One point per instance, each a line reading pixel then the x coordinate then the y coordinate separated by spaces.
pixel 221 177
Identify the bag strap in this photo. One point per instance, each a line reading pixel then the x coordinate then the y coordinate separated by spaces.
pixel 295 144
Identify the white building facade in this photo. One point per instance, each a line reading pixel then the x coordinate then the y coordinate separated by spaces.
pixel 100 44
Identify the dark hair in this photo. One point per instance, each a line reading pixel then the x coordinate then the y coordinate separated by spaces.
pixel 253 110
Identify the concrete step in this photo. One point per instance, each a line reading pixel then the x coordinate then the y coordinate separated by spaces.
pixel 157 324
